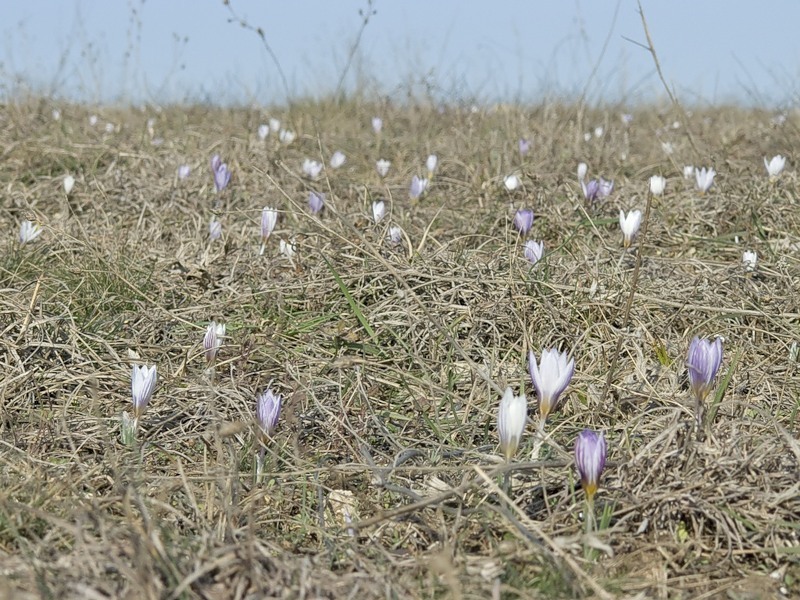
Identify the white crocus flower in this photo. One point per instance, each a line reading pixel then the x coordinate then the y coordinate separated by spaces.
pixel 533 251
pixel 704 178
pixel 312 168
pixel 775 165
pixel 28 232
pixel 287 248
pixel 382 167
pixel 749 260
pixel 69 183
pixel 630 225
pixel 511 182
pixel 583 169
pixel 395 235
pixel 431 163
pixel 657 185
pixel 287 136
pixel 378 211
pixel 511 420
pixel 143 383
pixel 688 171
pixel 263 131
pixel 337 159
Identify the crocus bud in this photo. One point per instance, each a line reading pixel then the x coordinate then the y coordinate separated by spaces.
pixel 212 340
pixel 214 230
pixel 143 383
pixel 749 260
pixel 269 217
pixel 590 458
pixel 377 124
pixel 316 202
pixel 583 169
pixel 431 164
pixel 657 185
pixel 337 159
pixel 382 166
pixel 378 211
pixel 533 251
pixel 268 410
pixel 523 220
pixel 511 419
pixel 395 235
pixel 511 182
pixel 69 183
pixel 417 187
pixel 703 362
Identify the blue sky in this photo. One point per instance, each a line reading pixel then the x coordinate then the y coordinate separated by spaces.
pixel 174 50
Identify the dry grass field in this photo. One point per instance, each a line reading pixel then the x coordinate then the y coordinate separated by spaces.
pixel 383 478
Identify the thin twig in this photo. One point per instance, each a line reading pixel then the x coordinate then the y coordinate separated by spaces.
pixel 365 15
pixel 652 49
pixel 260 33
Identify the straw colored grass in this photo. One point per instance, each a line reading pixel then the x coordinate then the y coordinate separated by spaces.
pixel 383 479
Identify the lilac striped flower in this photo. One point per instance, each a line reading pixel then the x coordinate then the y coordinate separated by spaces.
pixel 597 189
pixel 590 458
pixel 550 378
pixel 703 362
pixel 268 410
pixel 523 220
pixel 316 202
pixel 417 187
pixel 143 383
pixel 524 146
pixel 533 251
pixel 212 340
pixel 511 419
pixel 222 175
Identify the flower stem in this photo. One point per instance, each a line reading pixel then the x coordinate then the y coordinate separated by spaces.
pixel 260 465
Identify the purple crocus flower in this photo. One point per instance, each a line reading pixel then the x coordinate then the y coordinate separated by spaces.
pixel 184 171
pixel 417 187
pixel 606 187
pixel 268 410
pixel 222 176
pixel 524 146
pixel 523 220
pixel 590 458
pixel 597 189
pixel 316 201
pixel 590 189
pixel 703 362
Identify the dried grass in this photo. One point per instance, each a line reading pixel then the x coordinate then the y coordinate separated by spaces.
pixel 391 359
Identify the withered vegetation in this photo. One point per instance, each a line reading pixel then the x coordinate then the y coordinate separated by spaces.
pixel 383 479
